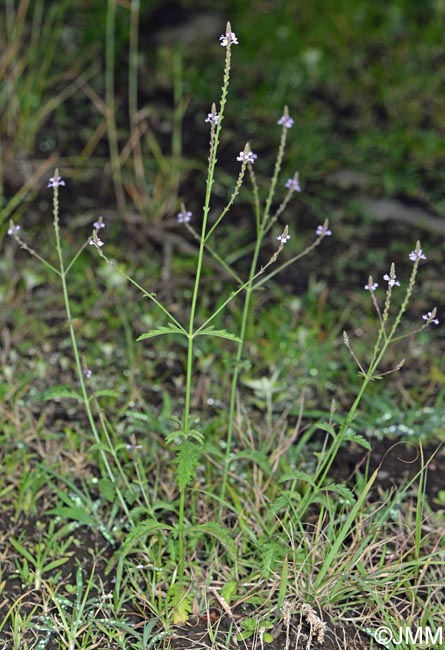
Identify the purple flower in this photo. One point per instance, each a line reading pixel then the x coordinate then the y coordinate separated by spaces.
pixel 391 280
pixel 417 254
pixel 430 317
pixel 95 241
pixel 229 38
pixel 247 156
pixel 371 286
pixel 97 225
pixel 286 121
pixel 13 229
pixel 293 184
pixel 323 231
pixel 184 216
pixel 55 181
pixel 87 372
pixel 212 117
pixel 283 238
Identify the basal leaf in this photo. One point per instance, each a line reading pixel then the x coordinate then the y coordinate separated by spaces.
pixel 180 602
pixel 255 456
pixel 143 530
pixel 297 475
pixel 218 531
pixel 107 489
pixel 60 392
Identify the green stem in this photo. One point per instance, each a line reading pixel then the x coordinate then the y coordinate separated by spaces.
pixel 376 359
pixel 66 299
pixel 190 335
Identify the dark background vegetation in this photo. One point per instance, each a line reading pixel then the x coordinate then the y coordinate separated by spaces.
pixel 364 82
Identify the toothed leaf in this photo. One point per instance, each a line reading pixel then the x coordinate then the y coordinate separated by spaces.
pixel 223 334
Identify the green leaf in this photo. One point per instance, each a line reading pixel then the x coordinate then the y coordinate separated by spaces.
pixel 196 435
pixel 343 491
pixel 255 456
pixel 22 550
pixel 160 331
pixel 55 563
pixel 284 501
pixel 297 475
pixel 229 591
pixel 107 489
pixel 222 334
pixel 105 392
pixel 218 531
pixel 187 459
pixel 173 436
pixel 180 601
pixel 141 531
pixel 271 552
pixel 76 513
pixel 327 427
pixel 59 392
pixel 356 437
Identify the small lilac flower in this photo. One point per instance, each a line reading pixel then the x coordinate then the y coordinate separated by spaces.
pixel 184 216
pixel 391 280
pixel 247 156
pixel 286 121
pixel 430 317
pixel 283 238
pixel 87 372
pixel 229 38
pixel 95 241
pixel 323 231
pixel 293 184
pixel 56 181
pixel 417 254
pixel 212 117
pixel 371 286
pixel 13 229
pixel 97 225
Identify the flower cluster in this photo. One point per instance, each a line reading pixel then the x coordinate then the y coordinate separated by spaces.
pixel 96 241
pixel 13 228
pixel 97 225
pixel 212 117
pixel 184 216
pixel 371 286
pixel 56 181
pixel 391 279
pixel 286 121
pixel 247 156
pixel 430 317
pixel 284 237
pixel 229 38
pixel 323 231
pixel 417 254
pixel 293 184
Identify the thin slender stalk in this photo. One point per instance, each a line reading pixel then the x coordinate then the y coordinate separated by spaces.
pixel 199 264
pixel 62 273
pixel 377 356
